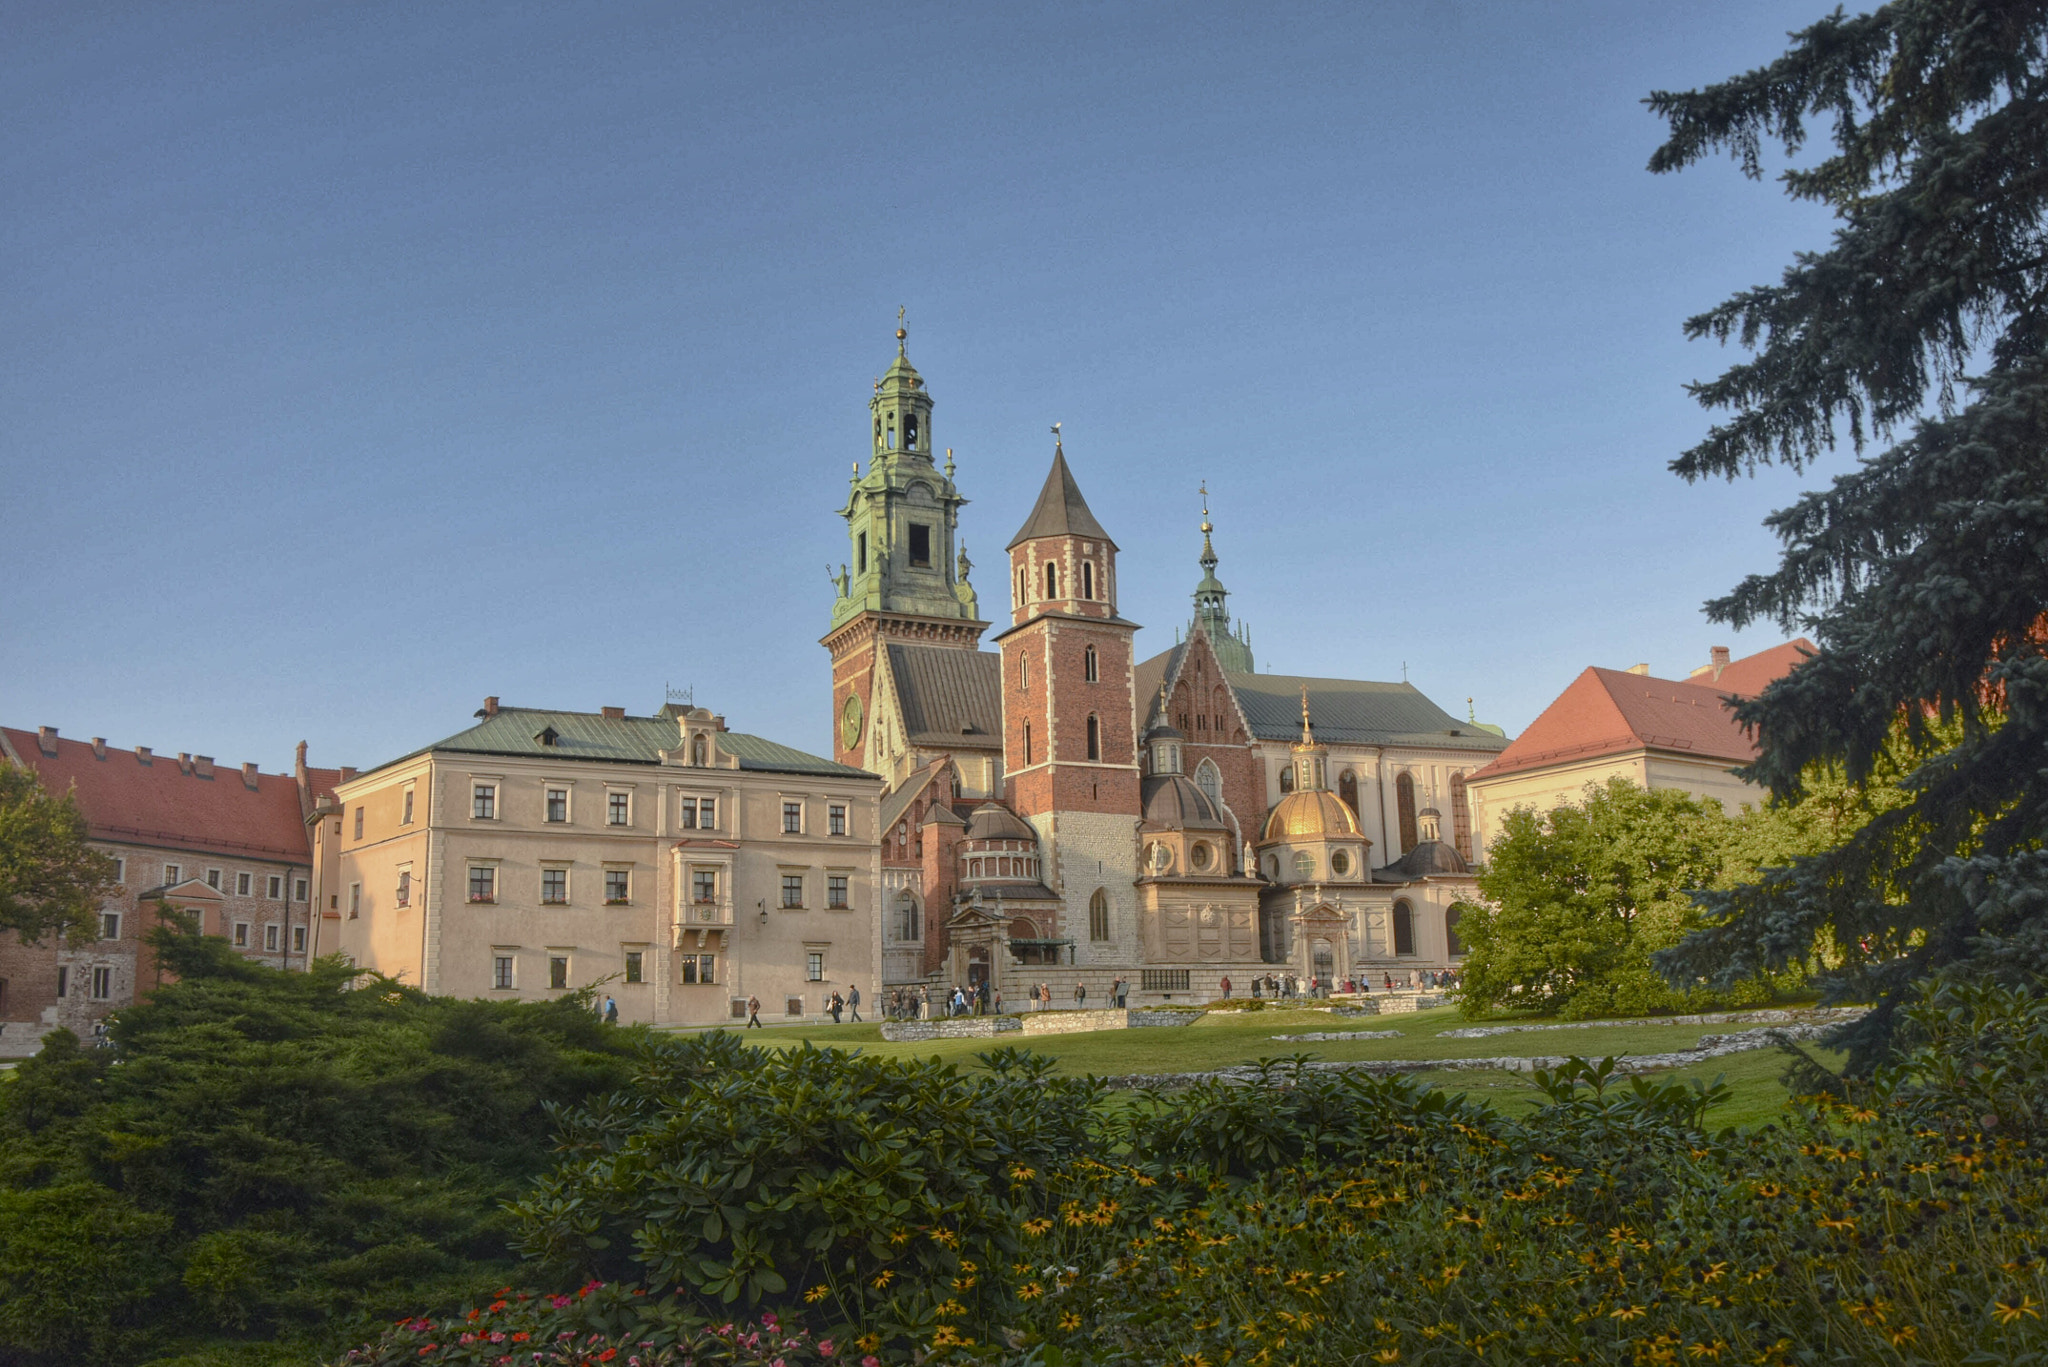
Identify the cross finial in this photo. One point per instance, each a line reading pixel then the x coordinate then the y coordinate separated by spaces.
pixel 1056 438
pixel 901 334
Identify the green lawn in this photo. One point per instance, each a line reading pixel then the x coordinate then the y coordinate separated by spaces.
pixel 1223 1038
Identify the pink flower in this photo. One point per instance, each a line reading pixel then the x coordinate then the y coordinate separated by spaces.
pixel 777 1363
pixel 870 1361
pixel 559 1302
pixel 825 1347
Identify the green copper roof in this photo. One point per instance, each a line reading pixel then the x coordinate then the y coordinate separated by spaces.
pixel 590 736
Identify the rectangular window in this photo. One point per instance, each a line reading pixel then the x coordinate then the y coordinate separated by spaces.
pixel 273 939
pixel 483 884
pixel 120 870
pixel 686 813
pixel 699 968
pixel 558 804
pixel 920 545
pixel 483 802
pixel 835 891
pixel 1163 979
pixel 63 981
pixel 110 925
pixel 792 818
pixel 405 888
pixel 617 886
pixel 558 970
pixel 242 884
pixel 792 890
pixel 554 887
pixel 102 984
pixel 707 813
pixel 274 886
pixel 860 554
pixel 299 889
pixel 618 809
pixel 704 885
pixel 172 874
pixel 241 935
pixel 213 879
pixel 501 972
pixel 814 966
pixel 835 818
pixel 355 900
pixel 359 823
pixel 298 939
pixel 634 958
pixel 405 810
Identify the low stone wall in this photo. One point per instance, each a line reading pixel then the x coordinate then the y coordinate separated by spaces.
pixel 956 1027
pixel 1345 1034
pixel 1834 1015
pixel 1075 1022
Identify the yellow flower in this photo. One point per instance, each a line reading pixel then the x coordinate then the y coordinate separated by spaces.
pixel 1903 1335
pixel 1628 1312
pixel 1030 1291
pixel 1769 1191
pixel 1846 1225
pixel 1708 1350
pixel 1036 1227
pixel 1022 1174
pixel 817 1293
pixel 886 1276
pixel 2006 1314
pixel 1070 1321
pixel 1387 1355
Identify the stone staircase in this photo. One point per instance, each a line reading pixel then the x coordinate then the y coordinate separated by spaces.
pixel 22 1039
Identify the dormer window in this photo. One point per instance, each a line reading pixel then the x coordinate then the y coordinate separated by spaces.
pixel 547 735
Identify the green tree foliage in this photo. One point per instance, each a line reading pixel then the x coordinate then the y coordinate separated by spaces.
pixel 1579 897
pixel 264 1155
pixel 1922 328
pixel 50 879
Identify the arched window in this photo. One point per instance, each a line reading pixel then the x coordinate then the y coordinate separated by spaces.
pixel 1089 667
pixel 1287 779
pixel 1094 738
pixel 1210 780
pixel 1098 916
pixel 1087 579
pixel 1052 580
pixel 1404 927
pixel 1027 743
pixel 907 927
pixel 1020 586
pixel 1347 789
pixel 1451 940
pixel 1404 803
pixel 1461 818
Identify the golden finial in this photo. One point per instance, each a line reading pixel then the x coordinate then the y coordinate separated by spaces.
pixel 1056 437
pixel 1308 734
pixel 901 334
pixel 1206 528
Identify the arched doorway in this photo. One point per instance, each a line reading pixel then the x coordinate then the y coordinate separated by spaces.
pixel 1452 943
pixel 1404 928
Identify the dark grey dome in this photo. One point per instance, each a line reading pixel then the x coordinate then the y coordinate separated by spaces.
pixel 992 821
pixel 1172 802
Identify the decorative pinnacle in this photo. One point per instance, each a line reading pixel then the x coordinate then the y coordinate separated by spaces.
pixel 901 333
pixel 1308 732
pixel 1056 438
pixel 949 462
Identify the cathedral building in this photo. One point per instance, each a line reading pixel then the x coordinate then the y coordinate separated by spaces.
pixel 1058 809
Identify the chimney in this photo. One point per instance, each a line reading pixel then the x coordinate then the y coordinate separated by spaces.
pixel 46 740
pixel 184 762
pixel 142 754
pixel 1718 659
pixel 249 777
pixel 491 706
pixel 614 714
pixel 299 761
pixel 99 747
pixel 1640 668
pixel 202 765
pixel 347 773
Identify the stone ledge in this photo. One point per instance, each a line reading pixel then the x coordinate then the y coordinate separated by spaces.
pixel 955 1027
pixel 1834 1015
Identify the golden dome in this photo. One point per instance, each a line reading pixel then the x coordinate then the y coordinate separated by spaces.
pixel 1311 814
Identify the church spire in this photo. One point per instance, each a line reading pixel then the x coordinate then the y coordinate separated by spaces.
pixel 1311 756
pixel 1212 613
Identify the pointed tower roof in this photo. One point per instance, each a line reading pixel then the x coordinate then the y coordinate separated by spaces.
pixel 1212 616
pixel 1060 510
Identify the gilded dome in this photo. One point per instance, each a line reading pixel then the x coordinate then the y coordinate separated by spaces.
pixel 1311 814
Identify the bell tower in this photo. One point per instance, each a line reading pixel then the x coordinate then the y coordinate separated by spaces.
pixel 1070 752
pixel 905 576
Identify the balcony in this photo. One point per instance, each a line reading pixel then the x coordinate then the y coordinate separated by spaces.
pixel 717 912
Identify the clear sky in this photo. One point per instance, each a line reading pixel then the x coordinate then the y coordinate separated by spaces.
pixel 361 360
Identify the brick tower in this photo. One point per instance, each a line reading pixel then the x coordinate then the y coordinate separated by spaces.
pixel 906 580
pixel 1070 755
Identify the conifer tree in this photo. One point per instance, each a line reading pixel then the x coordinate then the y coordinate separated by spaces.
pixel 1920 337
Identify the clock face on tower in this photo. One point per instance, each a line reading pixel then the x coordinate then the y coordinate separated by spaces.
pixel 849 721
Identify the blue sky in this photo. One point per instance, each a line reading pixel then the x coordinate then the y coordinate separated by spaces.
pixel 362 360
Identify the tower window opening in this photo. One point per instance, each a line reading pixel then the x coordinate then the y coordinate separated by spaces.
pixel 910 433
pixel 1094 738
pixel 1020 588
pixel 860 554
pixel 1089 668
pixel 1087 579
pixel 892 431
pixel 1027 743
pixel 1052 580
pixel 920 545
pixel 1098 916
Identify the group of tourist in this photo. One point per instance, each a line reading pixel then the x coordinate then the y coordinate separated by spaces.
pixel 930 1003
pixel 1286 986
pixel 981 999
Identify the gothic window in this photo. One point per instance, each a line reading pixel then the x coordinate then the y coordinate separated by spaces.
pixel 1404 927
pixel 1287 779
pixel 1087 579
pixel 1052 580
pixel 1210 780
pixel 920 545
pixel 1094 738
pixel 1461 818
pixel 1347 789
pixel 1020 588
pixel 1088 666
pixel 1027 743
pixel 1098 916
pixel 1452 943
pixel 1404 803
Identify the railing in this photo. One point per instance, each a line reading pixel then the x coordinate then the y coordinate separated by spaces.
pixel 715 913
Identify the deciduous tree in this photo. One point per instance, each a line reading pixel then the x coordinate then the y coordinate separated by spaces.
pixel 50 879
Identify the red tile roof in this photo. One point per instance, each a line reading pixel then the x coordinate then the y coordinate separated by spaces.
pixel 127 801
pixel 1611 712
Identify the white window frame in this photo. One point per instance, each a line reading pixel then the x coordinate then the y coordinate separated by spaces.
pixel 845 876
pixel 548 789
pixel 612 793
pixel 507 955
pixel 100 986
pixel 782 818
pixel 273 938
pixel 626 871
pixel 803 877
pixel 107 919
pixel 469 872
pixel 405 804
pixel 298 939
pixel 839 814
pixel 120 869
pixel 626 955
pixel 213 877
pixel 490 790
pixel 274 887
pixel 173 874
pixel 814 965
pixel 241 940
pixel 245 883
pixel 300 888
pixel 355 900
pixel 565 958
pixel 568 892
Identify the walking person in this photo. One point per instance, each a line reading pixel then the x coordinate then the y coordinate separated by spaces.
pixel 1226 987
pixel 853 1000
pixel 611 1011
pixel 1080 995
pixel 998 1002
pixel 835 1005
pixel 753 1012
